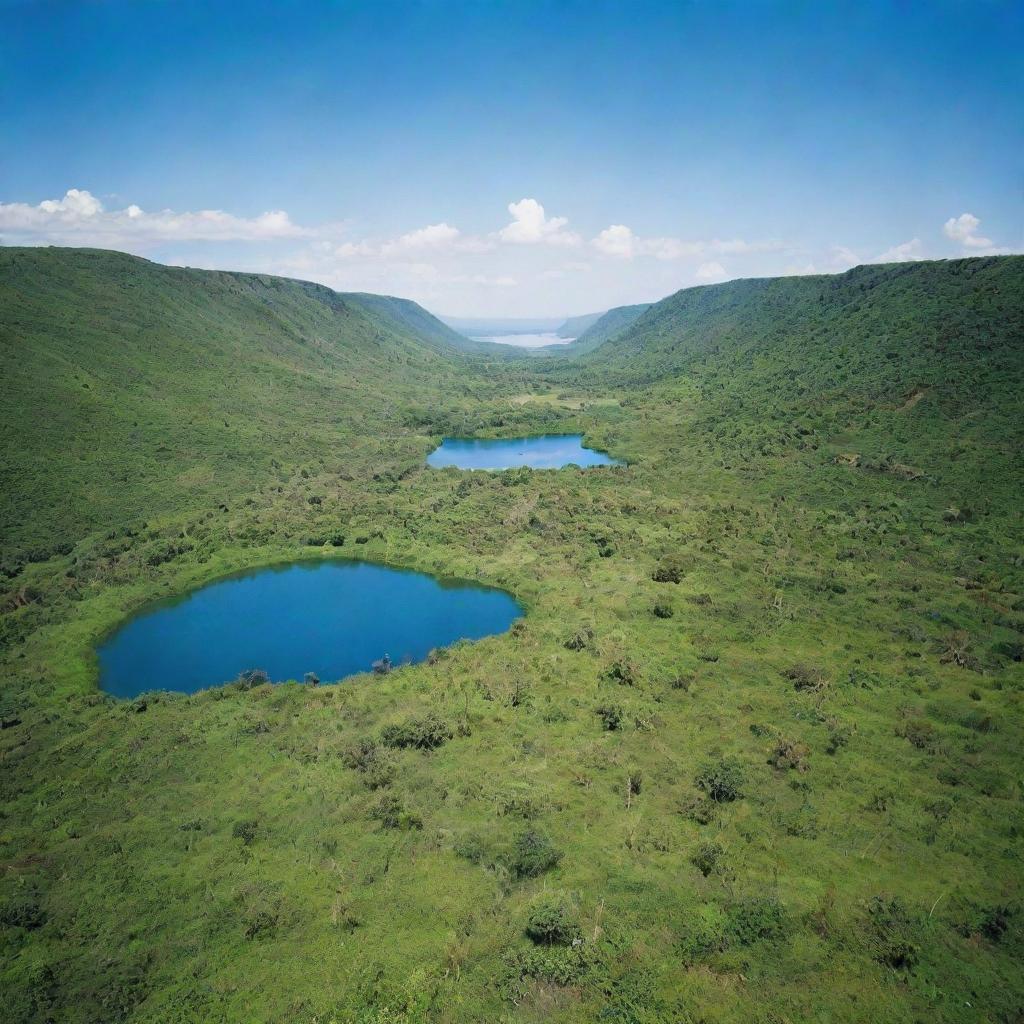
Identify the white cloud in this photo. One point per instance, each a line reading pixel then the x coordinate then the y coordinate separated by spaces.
pixel 617 240
pixel 962 229
pixel 433 236
pixel 531 226
pixel 621 241
pixel 709 273
pixel 841 258
pixel 903 253
pixel 81 218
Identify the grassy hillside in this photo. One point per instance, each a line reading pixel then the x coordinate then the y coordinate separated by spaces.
pixel 417 322
pixel 601 328
pixel 574 326
pixel 141 387
pixel 753 754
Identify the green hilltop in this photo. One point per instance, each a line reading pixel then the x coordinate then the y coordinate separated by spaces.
pixel 600 328
pixel 752 754
pixel 140 385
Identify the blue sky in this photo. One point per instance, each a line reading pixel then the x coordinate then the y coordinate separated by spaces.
pixel 514 159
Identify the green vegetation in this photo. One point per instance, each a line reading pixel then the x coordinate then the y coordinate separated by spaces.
pixel 593 331
pixel 752 755
pixel 576 325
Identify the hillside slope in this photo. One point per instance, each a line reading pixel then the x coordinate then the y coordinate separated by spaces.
pixel 412 317
pixel 752 753
pixel 574 326
pixel 117 372
pixel 602 328
pixel 904 311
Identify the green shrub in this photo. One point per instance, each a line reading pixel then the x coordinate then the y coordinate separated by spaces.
pixel 423 733
pixel 805 677
pixel 918 733
pixel 707 858
pixel 533 854
pixel 23 909
pixel 755 920
pixel 552 920
pixel 894 932
pixel 470 847
pixel 246 830
pixel 722 780
pixel 624 672
pixel 669 570
pixel 392 813
pixel 374 765
pixel 663 610
pixel 580 640
pixel 610 715
pixel 789 754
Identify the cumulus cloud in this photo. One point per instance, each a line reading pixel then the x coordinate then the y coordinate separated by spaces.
pixel 621 241
pixel 709 273
pixel 903 253
pixel 841 258
pixel 531 226
pixel 433 236
pixel 617 240
pixel 80 218
pixel 963 229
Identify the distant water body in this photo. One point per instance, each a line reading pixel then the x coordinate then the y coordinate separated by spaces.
pixel 547 451
pixel 525 340
pixel 334 618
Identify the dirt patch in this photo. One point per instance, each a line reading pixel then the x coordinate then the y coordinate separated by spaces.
pixel 914 398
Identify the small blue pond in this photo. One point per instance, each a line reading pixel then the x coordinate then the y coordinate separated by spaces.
pixel 548 451
pixel 332 618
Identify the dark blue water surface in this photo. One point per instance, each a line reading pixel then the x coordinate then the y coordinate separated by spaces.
pixel 548 451
pixel 332 618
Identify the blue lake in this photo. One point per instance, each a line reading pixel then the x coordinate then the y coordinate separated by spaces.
pixel 547 451
pixel 332 618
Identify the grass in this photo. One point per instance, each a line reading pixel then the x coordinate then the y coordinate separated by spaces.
pixel 809 806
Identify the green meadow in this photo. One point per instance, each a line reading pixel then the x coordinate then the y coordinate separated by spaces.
pixel 753 753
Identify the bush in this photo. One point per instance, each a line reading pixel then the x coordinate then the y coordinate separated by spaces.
pixel 246 830
pixel 23 909
pixel 994 921
pixel 371 762
pixel 668 570
pixel 533 854
pixel 392 813
pixel 426 733
pixel 755 920
pixel 789 754
pixel 610 715
pixel 470 847
pixel 805 677
pixel 251 678
pixel 624 672
pixel 552 920
pixel 721 780
pixel 707 857
pixel 580 640
pixel 918 733
pixel 663 610
pixel 894 932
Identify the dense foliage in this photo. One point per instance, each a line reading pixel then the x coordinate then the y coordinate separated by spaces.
pixel 753 754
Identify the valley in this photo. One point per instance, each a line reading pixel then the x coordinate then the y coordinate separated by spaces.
pixel 749 753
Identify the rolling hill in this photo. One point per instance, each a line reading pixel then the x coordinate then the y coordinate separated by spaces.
pixel 751 754
pixel 141 385
pixel 595 331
